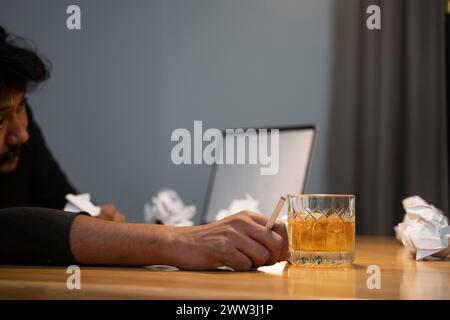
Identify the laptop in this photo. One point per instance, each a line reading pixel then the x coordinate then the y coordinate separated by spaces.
pixel 229 182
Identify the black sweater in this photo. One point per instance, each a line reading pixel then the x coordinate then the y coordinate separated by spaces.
pixel 33 229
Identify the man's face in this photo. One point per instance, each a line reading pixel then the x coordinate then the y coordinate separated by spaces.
pixel 13 130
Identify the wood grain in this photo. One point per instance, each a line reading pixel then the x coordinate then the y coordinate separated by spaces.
pixel 401 278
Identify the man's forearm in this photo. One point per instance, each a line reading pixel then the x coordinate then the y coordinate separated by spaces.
pixel 98 242
pixel 45 236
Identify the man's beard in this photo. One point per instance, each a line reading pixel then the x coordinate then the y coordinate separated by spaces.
pixel 11 154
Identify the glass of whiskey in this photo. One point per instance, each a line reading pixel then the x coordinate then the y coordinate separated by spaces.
pixel 321 229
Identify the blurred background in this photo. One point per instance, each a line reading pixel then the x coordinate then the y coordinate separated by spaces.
pixel 138 70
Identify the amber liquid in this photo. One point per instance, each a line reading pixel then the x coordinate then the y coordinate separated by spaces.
pixel 322 234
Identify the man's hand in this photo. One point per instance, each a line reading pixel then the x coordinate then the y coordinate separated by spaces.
pixel 240 241
pixel 110 213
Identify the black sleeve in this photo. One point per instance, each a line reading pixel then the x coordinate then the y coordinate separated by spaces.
pixel 49 184
pixel 35 236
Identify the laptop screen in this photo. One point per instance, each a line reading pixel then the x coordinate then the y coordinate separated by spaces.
pixel 229 182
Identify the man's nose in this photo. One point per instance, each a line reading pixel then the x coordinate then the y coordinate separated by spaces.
pixel 17 133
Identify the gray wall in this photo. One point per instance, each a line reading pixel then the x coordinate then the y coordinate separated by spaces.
pixel 139 69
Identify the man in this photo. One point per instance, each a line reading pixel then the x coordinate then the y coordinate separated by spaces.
pixel 29 174
pixel 32 189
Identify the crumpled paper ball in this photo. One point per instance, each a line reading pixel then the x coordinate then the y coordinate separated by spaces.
pixel 168 208
pixel 424 231
pixel 247 203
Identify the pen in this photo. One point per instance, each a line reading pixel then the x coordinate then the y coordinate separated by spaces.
pixel 275 213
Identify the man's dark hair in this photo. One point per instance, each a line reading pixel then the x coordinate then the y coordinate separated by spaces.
pixel 20 68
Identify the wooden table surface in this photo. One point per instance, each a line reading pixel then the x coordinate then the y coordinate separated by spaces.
pixel 401 278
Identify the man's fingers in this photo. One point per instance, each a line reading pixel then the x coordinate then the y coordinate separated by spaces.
pixel 274 240
pixel 252 249
pixel 119 217
pixel 238 261
pixel 108 207
pixel 276 250
pixel 269 239
pixel 109 212
pixel 105 215
pixel 257 217
pixel 280 228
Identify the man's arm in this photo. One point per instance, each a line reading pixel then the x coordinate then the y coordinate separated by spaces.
pixel 42 236
pixel 240 241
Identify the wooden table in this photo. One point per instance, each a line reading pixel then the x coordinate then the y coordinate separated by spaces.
pixel 401 278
